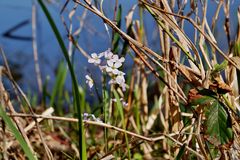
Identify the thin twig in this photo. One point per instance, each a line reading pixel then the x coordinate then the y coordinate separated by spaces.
pixel 199 29
pixel 4 100
pixel 8 74
pixel 149 139
pixel 35 50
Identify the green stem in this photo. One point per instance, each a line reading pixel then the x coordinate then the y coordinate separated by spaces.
pixel 82 144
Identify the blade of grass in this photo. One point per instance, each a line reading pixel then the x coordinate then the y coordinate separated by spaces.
pixel 82 145
pixel 17 134
pixel 58 86
pixel 120 109
pixel 116 36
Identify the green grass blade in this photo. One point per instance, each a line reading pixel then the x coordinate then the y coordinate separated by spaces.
pixel 160 23
pixel 82 144
pixel 17 134
pixel 120 109
pixel 181 152
pixel 116 36
pixel 58 86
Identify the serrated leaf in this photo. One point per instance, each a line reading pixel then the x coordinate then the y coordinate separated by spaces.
pixel 218 124
pixel 200 97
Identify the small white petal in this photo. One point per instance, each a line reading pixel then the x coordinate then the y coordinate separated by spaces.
pixel 97 61
pixel 115 58
pixel 91 60
pixel 90 84
pixel 109 69
pixel 120 73
pixel 110 63
pixel 88 77
pixel 114 100
pixel 89 81
pixel 102 68
pixel 94 55
pixel 111 81
pixel 115 71
pixel 117 64
pixel 108 54
pixel 122 59
pixel 100 55
pixel 120 80
pixel 123 85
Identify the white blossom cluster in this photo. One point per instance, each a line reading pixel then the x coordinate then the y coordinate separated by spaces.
pixel 110 64
pixel 125 104
pixel 91 117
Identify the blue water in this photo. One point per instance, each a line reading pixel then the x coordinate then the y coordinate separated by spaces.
pixel 93 37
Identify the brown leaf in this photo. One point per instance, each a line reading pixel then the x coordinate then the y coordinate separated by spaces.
pixel 193 95
pixel 129 16
pixel 220 86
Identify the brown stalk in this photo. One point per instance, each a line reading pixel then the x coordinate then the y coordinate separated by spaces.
pixel 131 89
pixel 227 21
pixel 5 102
pixel 124 35
pixel 8 74
pixel 199 138
pixel 154 71
pixel 35 49
pixel 200 30
pixel 149 139
pixel 215 17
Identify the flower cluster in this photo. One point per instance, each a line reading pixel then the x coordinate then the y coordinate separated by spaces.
pixel 125 104
pixel 91 117
pixel 110 64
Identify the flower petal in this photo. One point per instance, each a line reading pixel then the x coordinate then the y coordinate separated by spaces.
pixel 94 55
pixel 117 64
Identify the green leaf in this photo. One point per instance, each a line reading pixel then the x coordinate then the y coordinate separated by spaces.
pixel 76 94
pixel 120 110
pixel 57 91
pixel 220 67
pixel 17 134
pixel 218 123
pixel 116 36
pixel 204 100
pixel 137 156
pixel 181 152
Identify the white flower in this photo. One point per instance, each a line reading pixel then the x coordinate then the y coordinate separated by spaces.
pixel 103 68
pixel 89 81
pixel 125 104
pixel 108 54
pixel 122 59
pixel 110 65
pixel 124 86
pixel 120 80
pixel 95 59
pixel 113 66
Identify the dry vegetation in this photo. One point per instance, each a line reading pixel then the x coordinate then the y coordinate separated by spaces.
pixel 182 102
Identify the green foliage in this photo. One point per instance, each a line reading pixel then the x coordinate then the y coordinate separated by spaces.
pixel 181 152
pixel 17 135
pixel 120 110
pixel 218 123
pixel 137 156
pixel 82 144
pixel 217 126
pixel 57 99
pixel 219 67
pixel 116 36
